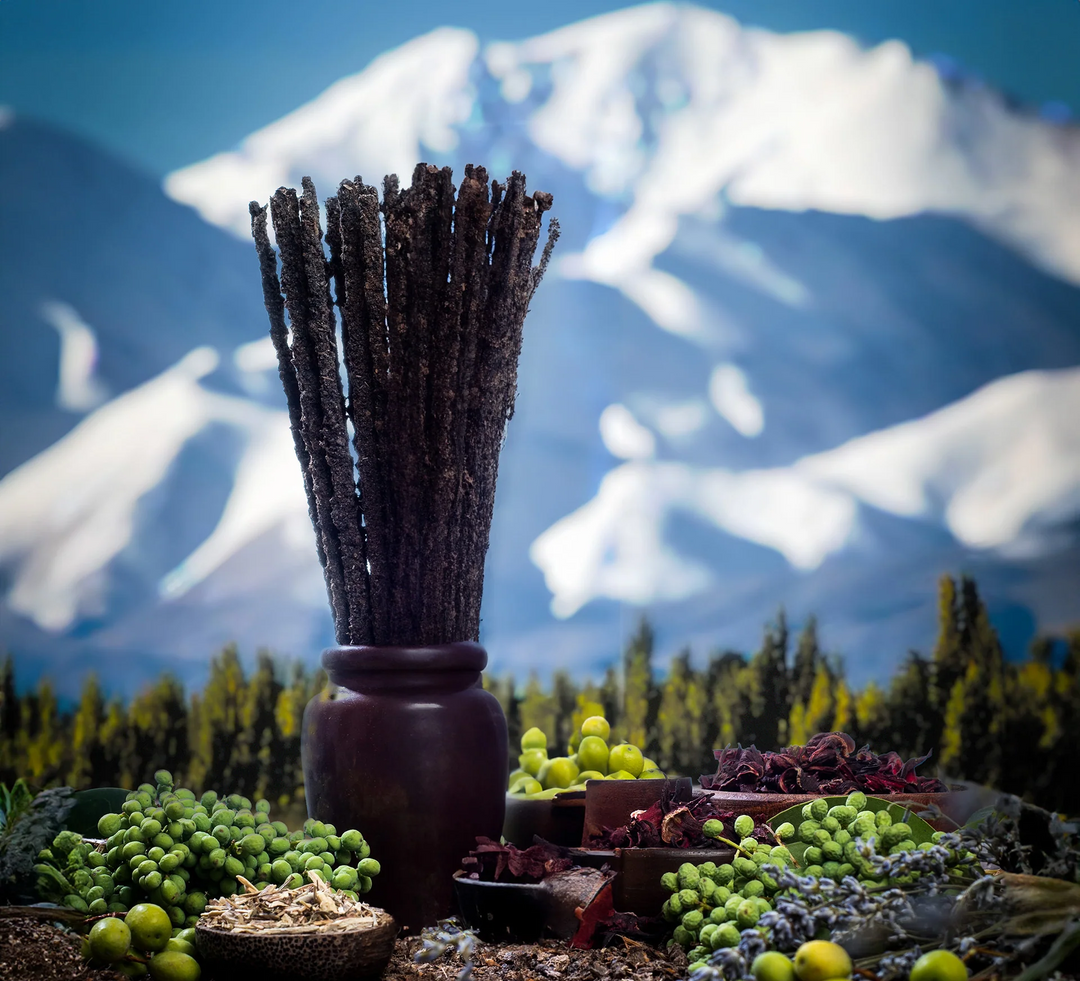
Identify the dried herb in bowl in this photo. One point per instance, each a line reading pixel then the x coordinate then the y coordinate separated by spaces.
pixel 827 764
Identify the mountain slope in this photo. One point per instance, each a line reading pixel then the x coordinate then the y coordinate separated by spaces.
pixel 810 340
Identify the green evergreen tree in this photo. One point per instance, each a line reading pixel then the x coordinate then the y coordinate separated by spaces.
pixel 770 701
pixel 682 719
pixel 611 697
pixel 729 699
pixel 258 741
pixel 286 771
pixel 949 658
pixel 913 718
pixel 87 768
pixel 538 709
pixel 974 724
pixel 44 753
pixel 639 700
pixel 871 724
pixel 10 722
pixel 215 756
pixel 120 762
pixel 564 696
pixel 807 658
pixel 158 717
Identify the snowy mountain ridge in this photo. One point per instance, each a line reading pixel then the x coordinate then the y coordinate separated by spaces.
pixel 794 122
pixel 811 339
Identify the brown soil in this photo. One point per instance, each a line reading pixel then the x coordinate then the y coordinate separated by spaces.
pixel 36 950
pixel 547 959
pixel 33 950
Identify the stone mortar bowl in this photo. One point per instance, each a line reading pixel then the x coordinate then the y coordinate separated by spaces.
pixel 277 955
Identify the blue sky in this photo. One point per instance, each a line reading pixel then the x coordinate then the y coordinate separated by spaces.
pixel 166 84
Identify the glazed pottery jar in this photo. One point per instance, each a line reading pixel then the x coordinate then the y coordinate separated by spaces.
pixel 406 746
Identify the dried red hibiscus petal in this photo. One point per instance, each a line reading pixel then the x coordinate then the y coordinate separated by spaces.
pixel 674 824
pixel 495 862
pixel 828 764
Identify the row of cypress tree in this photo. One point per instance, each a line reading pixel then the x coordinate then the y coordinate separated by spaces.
pixel 1013 725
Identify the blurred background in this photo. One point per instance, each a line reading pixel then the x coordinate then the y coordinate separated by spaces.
pixel 810 343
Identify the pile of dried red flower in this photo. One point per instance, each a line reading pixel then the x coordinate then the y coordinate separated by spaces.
pixel 827 764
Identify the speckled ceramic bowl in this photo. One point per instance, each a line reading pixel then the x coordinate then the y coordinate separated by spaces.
pixel 271 955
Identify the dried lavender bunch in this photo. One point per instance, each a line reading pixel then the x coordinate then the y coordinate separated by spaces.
pixel 918 893
pixel 448 938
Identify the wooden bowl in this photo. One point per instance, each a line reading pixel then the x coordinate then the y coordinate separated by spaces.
pixel 559 820
pixel 503 912
pixel 609 803
pixel 275 955
pixel 637 886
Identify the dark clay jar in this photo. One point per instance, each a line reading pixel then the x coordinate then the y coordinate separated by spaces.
pixel 406 746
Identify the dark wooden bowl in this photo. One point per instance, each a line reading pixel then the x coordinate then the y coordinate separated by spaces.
pixel 637 887
pixel 503 912
pixel 272 955
pixel 609 803
pixel 559 820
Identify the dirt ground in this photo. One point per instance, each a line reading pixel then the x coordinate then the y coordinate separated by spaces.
pixel 32 950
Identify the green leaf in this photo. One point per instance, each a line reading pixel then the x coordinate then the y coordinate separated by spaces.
pixel 920 830
pixel 89 807
pixel 979 816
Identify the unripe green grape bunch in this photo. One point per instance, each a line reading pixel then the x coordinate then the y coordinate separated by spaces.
pixel 176 850
pixel 849 839
pixel 710 905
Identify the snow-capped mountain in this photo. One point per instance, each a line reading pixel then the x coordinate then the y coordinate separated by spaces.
pixel 811 339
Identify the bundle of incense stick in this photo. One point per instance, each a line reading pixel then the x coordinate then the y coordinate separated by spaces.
pixel 430 301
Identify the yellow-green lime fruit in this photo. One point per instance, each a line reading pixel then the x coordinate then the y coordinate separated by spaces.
pixel 516 775
pixel 653 773
pixel 822 960
pixel 531 760
pixel 527 785
pixel 172 965
pixel 620 775
pixel 575 741
pixel 560 772
pixel 626 757
pixel 589 775
pixel 772 966
pixel 939 965
pixel 150 926
pixel 596 725
pixel 130 969
pixel 184 946
pixel 592 754
pixel 109 939
pixel 533 738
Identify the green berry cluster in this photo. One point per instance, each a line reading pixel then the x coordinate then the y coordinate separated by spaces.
pixel 170 848
pixel 711 904
pixel 841 840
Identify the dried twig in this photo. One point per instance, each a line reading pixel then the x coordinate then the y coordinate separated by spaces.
pixel 431 325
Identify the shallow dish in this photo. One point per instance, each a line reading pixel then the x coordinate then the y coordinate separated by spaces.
pixel 953 804
pixel 503 912
pixel 279 955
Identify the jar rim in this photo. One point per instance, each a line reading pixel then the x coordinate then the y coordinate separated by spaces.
pixel 464 655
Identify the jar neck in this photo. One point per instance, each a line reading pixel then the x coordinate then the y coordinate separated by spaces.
pixel 444 667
